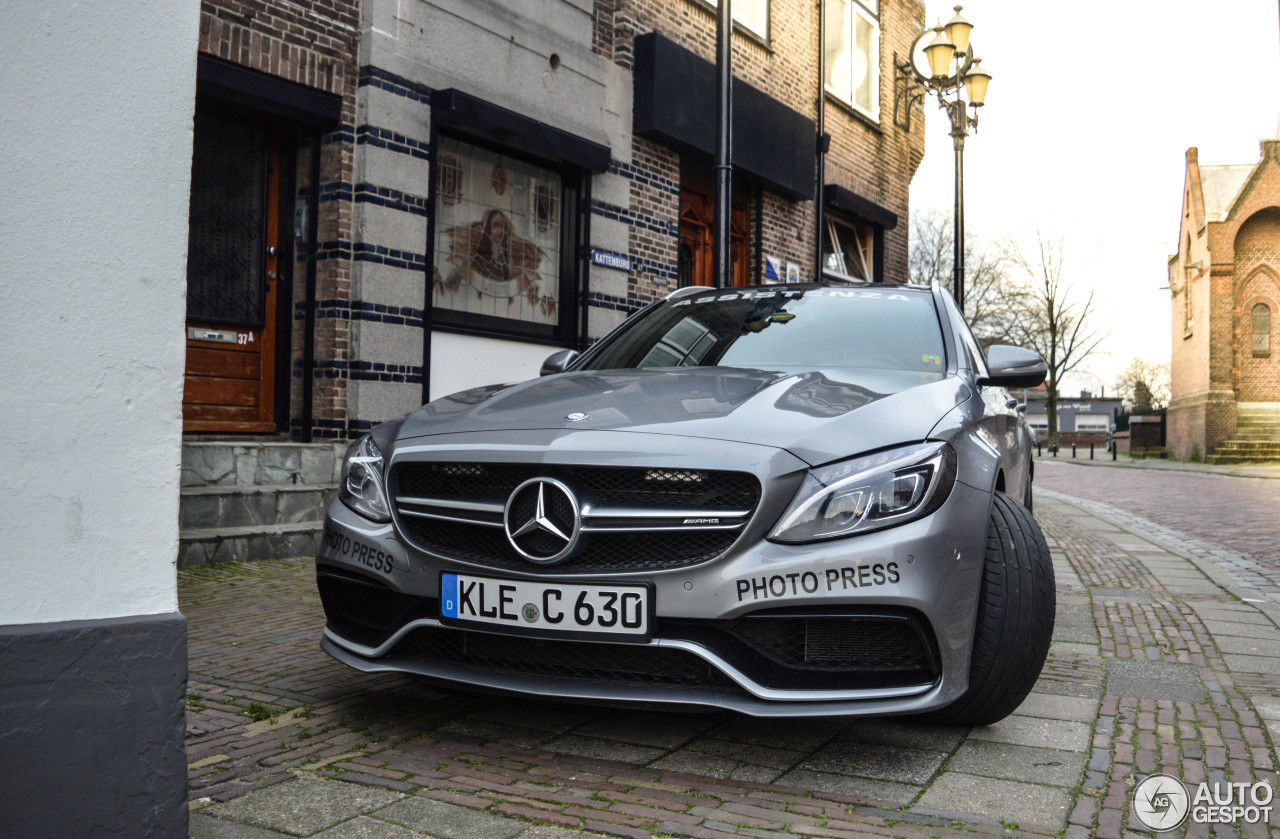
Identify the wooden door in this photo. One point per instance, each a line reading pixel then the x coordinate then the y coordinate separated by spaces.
pixel 233 270
pixel 695 249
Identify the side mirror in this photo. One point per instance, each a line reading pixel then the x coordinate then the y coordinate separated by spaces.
pixel 1014 367
pixel 557 362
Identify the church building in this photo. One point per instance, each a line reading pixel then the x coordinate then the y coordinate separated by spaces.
pixel 1225 282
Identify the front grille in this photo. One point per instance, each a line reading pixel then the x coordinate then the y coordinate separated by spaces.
pixel 616 664
pixel 455 510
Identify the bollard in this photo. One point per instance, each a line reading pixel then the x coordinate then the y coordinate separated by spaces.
pixel 1054 449
pixel 1039 451
pixel 1113 451
pixel 1091 450
pixel 1073 449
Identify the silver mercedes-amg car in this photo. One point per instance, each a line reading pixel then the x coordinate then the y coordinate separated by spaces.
pixel 793 500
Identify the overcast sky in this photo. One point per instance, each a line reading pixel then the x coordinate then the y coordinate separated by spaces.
pixel 1089 115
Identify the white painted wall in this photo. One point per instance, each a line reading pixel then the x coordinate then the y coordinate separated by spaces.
pixel 96 118
pixel 460 362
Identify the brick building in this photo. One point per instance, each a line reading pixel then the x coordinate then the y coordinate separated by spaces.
pixel 1225 282
pixel 499 180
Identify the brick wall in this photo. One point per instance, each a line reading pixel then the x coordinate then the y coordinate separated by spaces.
pixel 655 205
pixel 312 43
pixel 1257 254
pixel 874 159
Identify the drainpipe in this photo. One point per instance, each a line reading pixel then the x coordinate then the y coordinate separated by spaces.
pixel 724 145
pixel 823 141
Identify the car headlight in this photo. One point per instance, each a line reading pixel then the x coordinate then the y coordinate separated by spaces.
pixel 869 493
pixel 360 486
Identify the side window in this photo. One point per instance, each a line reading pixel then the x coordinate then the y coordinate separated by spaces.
pixel 976 358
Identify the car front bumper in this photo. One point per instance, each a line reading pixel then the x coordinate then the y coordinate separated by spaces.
pixel 922 577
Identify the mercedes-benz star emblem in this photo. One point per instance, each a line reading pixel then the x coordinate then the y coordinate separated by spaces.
pixel 542 521
pixel 577 416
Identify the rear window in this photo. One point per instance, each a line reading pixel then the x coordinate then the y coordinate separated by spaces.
pixel 760 329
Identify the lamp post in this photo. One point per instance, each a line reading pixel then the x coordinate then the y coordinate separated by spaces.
pixel 946 67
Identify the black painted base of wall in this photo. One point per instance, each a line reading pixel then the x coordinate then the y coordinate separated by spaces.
pixel 92 719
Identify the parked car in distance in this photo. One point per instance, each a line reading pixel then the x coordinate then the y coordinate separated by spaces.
pixel 795 500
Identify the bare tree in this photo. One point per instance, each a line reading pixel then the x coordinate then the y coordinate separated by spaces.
pixel 1053 317
pixel 1144 385
pixel 988 286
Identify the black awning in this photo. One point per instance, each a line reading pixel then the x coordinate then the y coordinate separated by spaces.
pixel 265 96
pixel 467 114
pixel 675 104
pixel 848 201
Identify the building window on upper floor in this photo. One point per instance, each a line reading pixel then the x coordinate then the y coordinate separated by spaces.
pixel 852 52
pixel 848 250
pixel 1262 331
pixel 502 256
pixel 753 14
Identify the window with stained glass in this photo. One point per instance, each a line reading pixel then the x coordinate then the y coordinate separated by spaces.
pixel 498 239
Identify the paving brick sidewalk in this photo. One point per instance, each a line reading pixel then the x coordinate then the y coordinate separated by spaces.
pixel 1154 667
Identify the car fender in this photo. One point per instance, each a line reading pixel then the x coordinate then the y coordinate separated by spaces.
pixel 977 451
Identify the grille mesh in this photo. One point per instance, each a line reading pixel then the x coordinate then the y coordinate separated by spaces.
pixel 603 552
pixel 835 643
pixel 607 485
pixel 366 611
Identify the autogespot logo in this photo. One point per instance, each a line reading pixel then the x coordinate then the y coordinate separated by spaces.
pixel 1161 802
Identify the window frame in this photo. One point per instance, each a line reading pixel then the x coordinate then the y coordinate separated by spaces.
pixel 574 188
pixel 1264 333
pixel 856 8
pixel 746 25
pixel 868 249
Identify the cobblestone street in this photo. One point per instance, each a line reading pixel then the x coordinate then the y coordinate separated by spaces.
pixel 1166 658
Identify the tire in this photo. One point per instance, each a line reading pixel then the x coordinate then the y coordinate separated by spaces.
pixel 1027 498
pixel 1015 618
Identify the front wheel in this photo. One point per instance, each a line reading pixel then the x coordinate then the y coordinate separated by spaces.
pixel 1015 618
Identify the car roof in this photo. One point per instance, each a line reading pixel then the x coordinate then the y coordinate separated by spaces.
pixel 689 291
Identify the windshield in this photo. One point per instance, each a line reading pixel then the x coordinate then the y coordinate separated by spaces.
pixel 759 329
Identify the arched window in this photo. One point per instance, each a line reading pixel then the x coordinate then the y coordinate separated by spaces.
pixel 1261 331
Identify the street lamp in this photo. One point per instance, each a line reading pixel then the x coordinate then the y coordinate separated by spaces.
pixel 942 63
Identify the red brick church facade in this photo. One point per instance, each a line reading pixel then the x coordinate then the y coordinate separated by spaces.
pixel 1225 282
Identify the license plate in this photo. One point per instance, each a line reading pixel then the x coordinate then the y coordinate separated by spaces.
pixel 531 607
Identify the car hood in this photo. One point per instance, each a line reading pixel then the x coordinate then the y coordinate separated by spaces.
pixel 817 415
